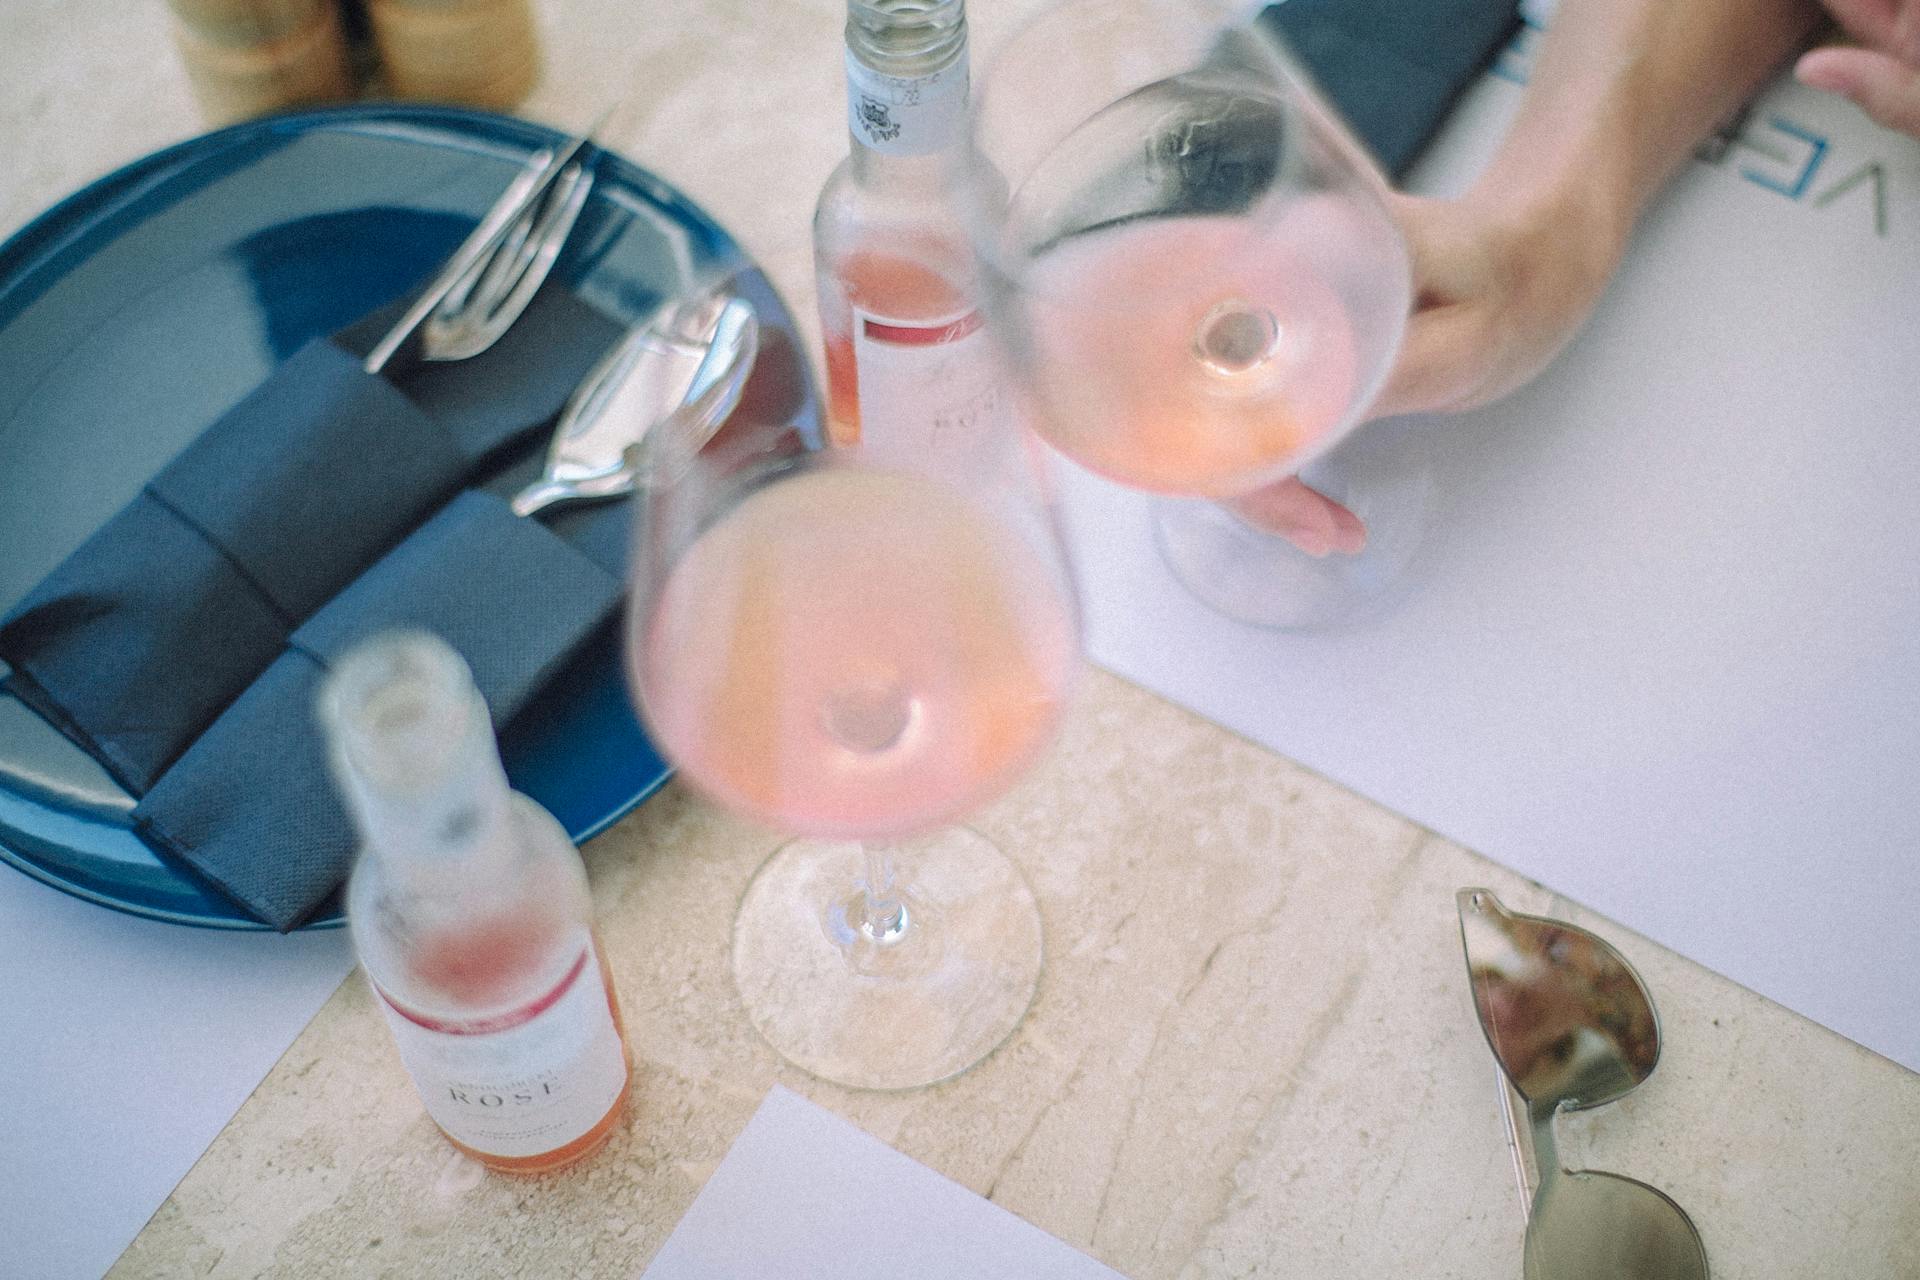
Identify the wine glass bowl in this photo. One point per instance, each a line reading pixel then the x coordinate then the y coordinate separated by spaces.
pixel 860 646
pixel 1195 277
pixel 853 652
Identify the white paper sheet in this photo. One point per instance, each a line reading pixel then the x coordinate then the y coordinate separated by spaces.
pixel 1664 653
pixel 126 1045
pixel 803 1195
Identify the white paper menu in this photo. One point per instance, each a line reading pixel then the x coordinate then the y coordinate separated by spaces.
pixel 1664 652
pixel 126 1046
pixel 804 1195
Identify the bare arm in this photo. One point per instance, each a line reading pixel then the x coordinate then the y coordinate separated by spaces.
pixel 1623 90
pixel 1620 94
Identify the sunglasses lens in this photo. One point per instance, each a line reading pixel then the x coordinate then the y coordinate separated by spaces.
pixel 1564 1012
pixel 1599 1226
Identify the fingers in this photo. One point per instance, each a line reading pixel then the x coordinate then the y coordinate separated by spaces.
pixel 1881 85
pixel 1437 359
pixel 1499 290
pixel 1447 249
pixel 1311 521
pixel 1444 359
pixel 1870 20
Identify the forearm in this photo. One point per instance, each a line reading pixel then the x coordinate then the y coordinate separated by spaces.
pixel 1620 94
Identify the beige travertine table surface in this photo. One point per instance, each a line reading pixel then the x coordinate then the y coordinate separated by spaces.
pixel 1253 1052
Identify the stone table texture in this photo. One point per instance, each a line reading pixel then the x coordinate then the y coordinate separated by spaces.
pixel 1253 1052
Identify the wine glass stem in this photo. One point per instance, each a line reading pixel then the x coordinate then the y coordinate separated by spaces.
pixel 883 910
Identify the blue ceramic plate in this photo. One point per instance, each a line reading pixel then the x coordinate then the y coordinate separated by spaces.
pixel 136 311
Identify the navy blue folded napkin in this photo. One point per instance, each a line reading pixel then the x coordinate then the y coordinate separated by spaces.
pixel 1394 68
pixel 140 638
pixel 250 805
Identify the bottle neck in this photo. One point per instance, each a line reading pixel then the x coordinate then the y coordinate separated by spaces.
pixel 415 758
pixel 906 37
pixel 913 175
pixel 907 80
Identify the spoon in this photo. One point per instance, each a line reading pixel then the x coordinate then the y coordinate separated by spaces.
pixel 688 364
pixel 1572 1026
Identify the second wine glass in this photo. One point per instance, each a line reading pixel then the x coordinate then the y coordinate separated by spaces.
pixel 1196 279
pixel 861 649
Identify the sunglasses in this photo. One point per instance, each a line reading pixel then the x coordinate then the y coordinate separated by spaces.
pixel 1572 1026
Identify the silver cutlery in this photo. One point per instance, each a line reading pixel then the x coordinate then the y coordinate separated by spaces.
pixel 498 268
pixel 681 373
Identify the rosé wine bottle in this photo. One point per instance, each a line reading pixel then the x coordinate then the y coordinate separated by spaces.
pixel 908 367
pixel 469 910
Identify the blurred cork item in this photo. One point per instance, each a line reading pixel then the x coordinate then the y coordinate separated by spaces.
pixel 482 53
pixel 248 57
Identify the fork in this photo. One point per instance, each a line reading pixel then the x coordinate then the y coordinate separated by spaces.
pixel 498 268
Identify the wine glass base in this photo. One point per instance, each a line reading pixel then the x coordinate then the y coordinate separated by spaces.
pixel 1259 578
pixel 1384 475
pixel 899 1012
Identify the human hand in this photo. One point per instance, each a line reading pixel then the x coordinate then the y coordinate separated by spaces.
pixel 1883 77
pixel 1499 289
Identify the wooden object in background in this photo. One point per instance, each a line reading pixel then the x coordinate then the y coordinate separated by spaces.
pixel 483 53
pixel 250 57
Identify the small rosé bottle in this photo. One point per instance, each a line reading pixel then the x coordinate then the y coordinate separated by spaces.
pixel 469 910
pixel 908 364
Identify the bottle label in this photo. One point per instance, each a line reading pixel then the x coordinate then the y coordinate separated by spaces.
pixel 525 1084
pixel 923 386
pixel 907 115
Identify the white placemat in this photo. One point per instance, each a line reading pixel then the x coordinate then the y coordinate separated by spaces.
pixel 1664 654
pixel 803 1195
pixel 125 1047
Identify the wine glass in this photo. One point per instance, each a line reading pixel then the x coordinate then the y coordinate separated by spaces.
pixel 1196 283
pixel 861 645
